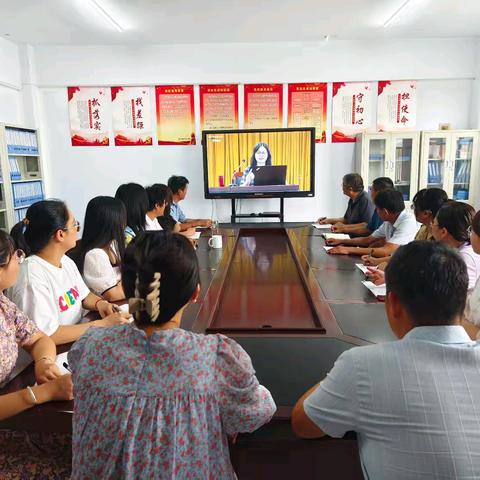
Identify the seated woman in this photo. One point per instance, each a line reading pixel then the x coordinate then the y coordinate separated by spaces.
pixel 452 226
pixel 100 252
pixel 135 199
pixel 471 321
pixel 17 452
pixel 50 289
pixel 261 157
pixel 164 400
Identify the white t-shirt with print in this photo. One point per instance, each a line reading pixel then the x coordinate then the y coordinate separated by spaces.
pixel 98 272
pixel 49 295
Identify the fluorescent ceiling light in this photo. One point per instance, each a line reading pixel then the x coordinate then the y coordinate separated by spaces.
pixel 389 21
pixel 106 15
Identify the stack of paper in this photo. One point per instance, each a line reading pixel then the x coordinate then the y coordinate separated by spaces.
pixel 363 267
pixel 326 226
pixel 327 248
pixel 195 236
pixel 336 236
pixel 377 290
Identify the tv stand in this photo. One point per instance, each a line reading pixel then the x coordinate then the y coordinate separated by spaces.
pixel 236 215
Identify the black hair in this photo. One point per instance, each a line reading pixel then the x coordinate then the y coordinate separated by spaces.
pixel 7 247
pixel 42 220
pixel 135 199
pixel 456 217
pixel 391 200
pixel 430 280
pixel 105 222
pixel 353 180
pixel 173 256
pixel 176 183
pixel 430 199
pixel 253 160
pixel 382 183
pixel 158 193
pixel 476 223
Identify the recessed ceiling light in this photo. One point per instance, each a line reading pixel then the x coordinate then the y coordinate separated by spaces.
pixel 106 15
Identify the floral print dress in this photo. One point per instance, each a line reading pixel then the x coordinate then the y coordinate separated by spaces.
pixel 32 456
pixel 161 407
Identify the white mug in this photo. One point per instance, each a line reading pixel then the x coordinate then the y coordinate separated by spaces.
pixel 215 241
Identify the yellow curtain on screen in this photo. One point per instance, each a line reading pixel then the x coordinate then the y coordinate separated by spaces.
pixel 226 152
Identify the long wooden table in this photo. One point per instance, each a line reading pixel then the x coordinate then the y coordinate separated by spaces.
pixel 294 309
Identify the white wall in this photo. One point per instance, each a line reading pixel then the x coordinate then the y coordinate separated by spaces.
pixel 445 68
pixel 11 107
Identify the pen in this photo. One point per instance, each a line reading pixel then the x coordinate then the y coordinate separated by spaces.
pixel 116 308
pixel 65 364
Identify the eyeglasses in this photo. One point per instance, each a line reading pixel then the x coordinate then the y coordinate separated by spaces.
pixel 18 254
pixel 75 225
pixel 469 230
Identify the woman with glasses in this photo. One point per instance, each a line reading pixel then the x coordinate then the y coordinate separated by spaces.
pixel 452 226
pixel 472 314
pixel 17 456
pixel 100 252
pixel 50 289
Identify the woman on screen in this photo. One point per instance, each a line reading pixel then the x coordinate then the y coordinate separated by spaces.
pixel 261 157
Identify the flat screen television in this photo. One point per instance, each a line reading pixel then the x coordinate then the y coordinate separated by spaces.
pixel 267 163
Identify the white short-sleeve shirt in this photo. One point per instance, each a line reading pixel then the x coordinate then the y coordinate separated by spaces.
pixel 98 272
pixel 403 231
pixel 152 225
pixel 51 296
pixel 413 404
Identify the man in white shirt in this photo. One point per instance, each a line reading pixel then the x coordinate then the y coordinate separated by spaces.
pixel 399 227
pixel 414 403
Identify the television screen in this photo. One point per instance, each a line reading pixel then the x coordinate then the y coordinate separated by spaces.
pixel 259 163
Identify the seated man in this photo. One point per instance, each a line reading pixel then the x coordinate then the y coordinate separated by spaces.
pixel 399 227
pixel 366 228
pixel 360 207
pixel 412 402
pixel 179 186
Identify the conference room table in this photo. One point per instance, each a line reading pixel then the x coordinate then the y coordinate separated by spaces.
pixel 294 308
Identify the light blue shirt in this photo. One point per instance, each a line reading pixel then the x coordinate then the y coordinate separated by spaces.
pixel 176 213
pixel 414 403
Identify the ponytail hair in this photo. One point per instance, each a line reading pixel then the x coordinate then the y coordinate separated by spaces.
pixel 159 275
pixel 42 220
pixel 135 199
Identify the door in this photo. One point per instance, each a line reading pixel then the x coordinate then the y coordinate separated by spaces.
pixel 403 168
pixel 433 162
pixel 462 163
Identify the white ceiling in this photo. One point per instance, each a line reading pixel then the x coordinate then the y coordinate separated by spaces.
pixel 75 22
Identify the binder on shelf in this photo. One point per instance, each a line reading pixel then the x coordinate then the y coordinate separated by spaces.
pixel 15 173
pixel 26 193
pixel 20 214
pixel 21 141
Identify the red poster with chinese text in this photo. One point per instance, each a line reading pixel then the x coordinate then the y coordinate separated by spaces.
pixel 397 105
pixel 351 110
pixel 132 116
pixel 307 107
pixel 175 114
pixel 263 105
pixel 88 109
pixel 219 107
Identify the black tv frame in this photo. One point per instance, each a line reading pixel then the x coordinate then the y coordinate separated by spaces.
pixel 305 193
